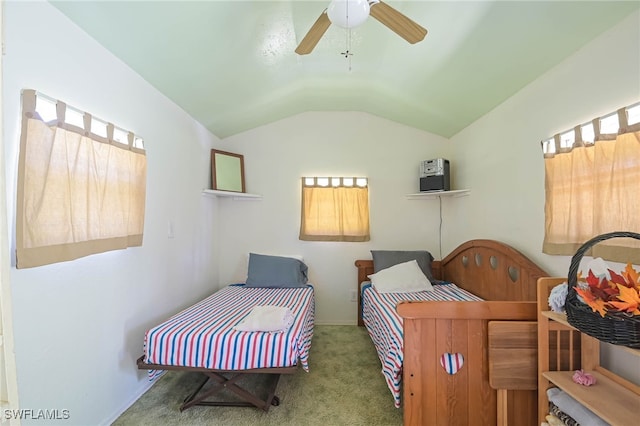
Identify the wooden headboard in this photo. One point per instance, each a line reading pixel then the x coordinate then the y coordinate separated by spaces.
pixel 487 268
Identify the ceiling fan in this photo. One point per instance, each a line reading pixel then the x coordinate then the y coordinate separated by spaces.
pixel 351 13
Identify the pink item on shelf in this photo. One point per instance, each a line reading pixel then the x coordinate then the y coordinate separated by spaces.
pixel 582 378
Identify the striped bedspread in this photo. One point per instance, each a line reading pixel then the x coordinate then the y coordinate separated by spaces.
pixel 203 335
pixel 385 325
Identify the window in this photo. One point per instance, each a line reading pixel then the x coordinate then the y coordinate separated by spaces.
pixel 81 190
pixel 592 179
pixel 335 209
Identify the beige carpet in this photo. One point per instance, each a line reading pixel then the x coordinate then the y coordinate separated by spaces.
pixel 343 387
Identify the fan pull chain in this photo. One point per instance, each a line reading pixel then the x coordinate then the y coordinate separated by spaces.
pixel 348 53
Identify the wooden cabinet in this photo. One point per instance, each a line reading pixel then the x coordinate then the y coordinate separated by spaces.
pixel 562 349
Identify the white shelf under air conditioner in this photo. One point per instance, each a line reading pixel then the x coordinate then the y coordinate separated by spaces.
pixel 428 195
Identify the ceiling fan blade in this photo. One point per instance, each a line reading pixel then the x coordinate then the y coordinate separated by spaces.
pixel 397 22
pixel 314 35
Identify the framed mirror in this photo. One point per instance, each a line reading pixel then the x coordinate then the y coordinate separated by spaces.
pixel 227 171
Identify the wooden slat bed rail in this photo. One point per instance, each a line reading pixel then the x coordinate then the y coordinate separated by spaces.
pixel 500 310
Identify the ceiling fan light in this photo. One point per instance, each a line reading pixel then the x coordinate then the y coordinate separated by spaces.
pixel 348 13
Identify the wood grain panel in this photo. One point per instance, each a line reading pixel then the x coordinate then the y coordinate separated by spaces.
pixel 420 347
pixel 445 390
pixel 513 355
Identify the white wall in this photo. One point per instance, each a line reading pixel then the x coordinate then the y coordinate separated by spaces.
pixel 79 325
pixel 499 157
pixel 329 144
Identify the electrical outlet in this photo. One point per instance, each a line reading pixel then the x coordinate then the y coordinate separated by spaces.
pixel 354 296
pixel 170 233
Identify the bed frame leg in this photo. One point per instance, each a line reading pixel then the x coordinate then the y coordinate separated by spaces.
pixel 222 382
pixel 187 402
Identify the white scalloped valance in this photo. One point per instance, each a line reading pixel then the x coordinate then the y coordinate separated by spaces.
pixel 81 188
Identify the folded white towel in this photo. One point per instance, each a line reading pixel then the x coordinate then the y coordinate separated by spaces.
pixel 266 318
pixel 571 407
pixel 557 297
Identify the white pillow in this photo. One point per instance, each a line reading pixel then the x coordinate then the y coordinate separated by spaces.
pixel 404 277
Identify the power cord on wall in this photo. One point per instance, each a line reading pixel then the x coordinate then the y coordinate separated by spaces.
pixel 440 227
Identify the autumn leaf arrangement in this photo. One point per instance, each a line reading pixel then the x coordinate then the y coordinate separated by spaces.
pixel 616 293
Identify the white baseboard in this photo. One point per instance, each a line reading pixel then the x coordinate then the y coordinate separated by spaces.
pixel 136 396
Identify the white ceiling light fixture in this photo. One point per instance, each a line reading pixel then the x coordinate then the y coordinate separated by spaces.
pixel 348 13
pixel 351 13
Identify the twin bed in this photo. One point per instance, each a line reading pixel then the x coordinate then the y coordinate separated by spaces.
pixel 263 326
pixel 462 361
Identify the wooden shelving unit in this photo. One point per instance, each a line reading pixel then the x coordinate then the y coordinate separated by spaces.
pixel 230 194
pixel 610 401
pixel 438 194
pixel 612 398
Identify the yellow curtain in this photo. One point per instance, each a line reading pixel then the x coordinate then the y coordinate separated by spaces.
pixel 334 213
pixel 76 195
pixel 593 189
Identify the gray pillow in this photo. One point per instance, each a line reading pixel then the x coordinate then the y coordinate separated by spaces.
pixel 383 259
pixel 275 271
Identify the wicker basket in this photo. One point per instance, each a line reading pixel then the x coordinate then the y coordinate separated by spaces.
pixel 617 328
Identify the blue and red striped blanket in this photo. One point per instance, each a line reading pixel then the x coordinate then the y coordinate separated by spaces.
pixel 203 335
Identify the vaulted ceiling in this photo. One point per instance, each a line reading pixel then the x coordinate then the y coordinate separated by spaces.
pixel 232 66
